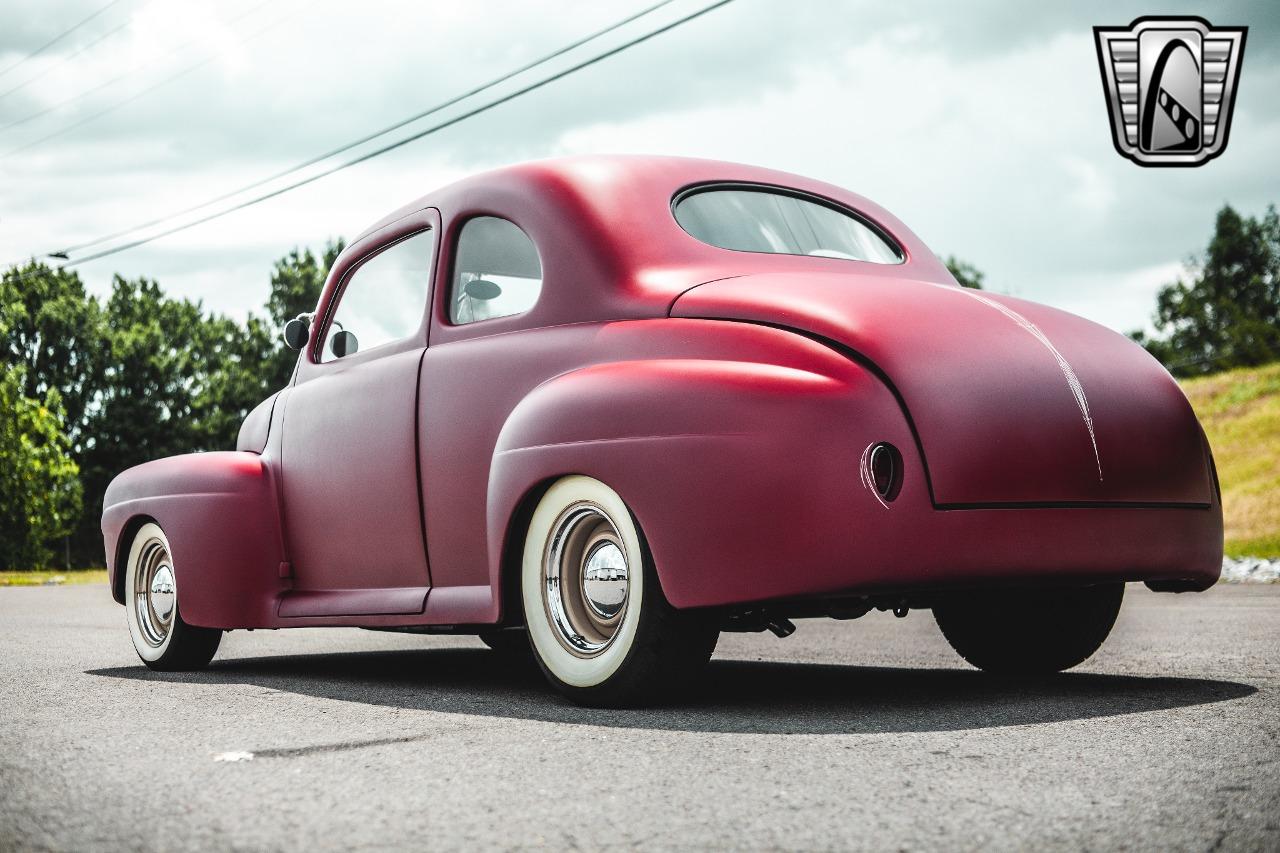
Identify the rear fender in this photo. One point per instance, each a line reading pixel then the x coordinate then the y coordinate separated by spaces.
pixel 731 468
pixel 219 512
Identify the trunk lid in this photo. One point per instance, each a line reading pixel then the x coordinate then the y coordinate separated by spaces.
pixel 1012 402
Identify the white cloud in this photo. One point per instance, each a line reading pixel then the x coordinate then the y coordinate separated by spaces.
pixel 1124 301
pixel 1092 194
pixel 983 129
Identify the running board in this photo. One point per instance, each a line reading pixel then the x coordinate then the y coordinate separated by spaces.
pixel 353 602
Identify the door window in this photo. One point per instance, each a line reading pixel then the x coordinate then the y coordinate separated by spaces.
pixel 383 299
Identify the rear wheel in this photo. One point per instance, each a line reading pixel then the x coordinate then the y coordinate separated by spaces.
pixel 160 636
pixel 1025 632
pixel 600 627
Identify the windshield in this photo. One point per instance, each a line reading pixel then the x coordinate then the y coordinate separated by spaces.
pixel 750 220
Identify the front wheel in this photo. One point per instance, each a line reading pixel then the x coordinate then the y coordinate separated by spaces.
pixel 600 627
pixel 162 639
pixel 1028 632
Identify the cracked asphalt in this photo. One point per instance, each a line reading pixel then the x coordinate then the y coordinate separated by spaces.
pixel 861 735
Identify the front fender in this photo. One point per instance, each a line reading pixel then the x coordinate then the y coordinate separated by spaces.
pixel 219 512
pixel 256 428
pixel 735 471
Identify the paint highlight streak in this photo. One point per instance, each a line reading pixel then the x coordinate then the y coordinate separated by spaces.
pixel 1077 390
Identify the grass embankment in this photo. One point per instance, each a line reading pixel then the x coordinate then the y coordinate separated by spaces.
pixel 1240 410
pixel 40 578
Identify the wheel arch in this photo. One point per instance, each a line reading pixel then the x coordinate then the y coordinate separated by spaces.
pixel 508 591
pixel 220 514
pixel 713 458
pixel 121 557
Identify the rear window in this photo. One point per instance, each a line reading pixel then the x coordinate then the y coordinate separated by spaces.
pixel 781 223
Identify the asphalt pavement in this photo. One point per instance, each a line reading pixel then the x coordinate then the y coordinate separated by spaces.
pixel 860 735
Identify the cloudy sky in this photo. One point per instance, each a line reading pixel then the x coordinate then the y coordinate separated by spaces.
pixel 981 124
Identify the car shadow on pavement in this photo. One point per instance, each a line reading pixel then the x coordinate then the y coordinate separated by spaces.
pixel 733 697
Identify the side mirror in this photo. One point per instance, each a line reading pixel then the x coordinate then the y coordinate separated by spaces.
pixel 343 343
pixel 296 332
pixel 482 289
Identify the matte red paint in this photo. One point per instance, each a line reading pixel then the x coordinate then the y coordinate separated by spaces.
pixel 727 396
pixel 995 413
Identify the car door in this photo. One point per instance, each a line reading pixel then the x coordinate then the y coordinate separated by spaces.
pixel 350 486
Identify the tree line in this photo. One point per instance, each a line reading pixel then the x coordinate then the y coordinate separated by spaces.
pixel 90 387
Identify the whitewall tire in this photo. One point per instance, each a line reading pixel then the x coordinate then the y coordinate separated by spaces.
pixel 160 636
pixel 600 628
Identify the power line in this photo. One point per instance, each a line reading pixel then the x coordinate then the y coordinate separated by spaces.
pixel 112 81
pixel 65 58
pixel 165 81
pixel 406 140
pixel 59 37
pixel 600 57
pixel 369 137
pixel 100 113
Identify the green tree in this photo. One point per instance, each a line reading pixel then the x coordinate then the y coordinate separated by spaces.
pixel 296 282
pixel 53 329
pixel 239 365
pixel 40 492
pixel 965 273
pixel 141 375
pixel 1227 312
pixel 174 380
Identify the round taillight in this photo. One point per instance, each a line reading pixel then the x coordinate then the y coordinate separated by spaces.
pixel 885 467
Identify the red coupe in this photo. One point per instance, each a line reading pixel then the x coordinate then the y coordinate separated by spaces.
pixel 606 408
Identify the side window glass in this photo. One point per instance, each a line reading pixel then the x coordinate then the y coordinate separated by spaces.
pixel 384 299
pixel 496 271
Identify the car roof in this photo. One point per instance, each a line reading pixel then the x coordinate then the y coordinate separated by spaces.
pixel 609 244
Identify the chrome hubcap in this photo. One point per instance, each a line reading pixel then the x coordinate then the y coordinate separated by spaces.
pixel 604 580
pixel 155 592
pixel 162 593
pixel 586 579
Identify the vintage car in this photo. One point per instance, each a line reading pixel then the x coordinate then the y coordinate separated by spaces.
pixel 608 407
